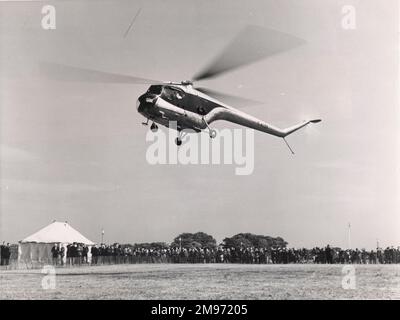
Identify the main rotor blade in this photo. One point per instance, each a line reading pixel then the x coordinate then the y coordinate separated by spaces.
pixel 69 73
pixel 252 44
pixel 235 101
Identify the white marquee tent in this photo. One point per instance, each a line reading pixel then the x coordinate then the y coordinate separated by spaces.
pixel 37 247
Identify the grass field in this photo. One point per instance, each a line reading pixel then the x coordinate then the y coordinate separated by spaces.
pixel 172 281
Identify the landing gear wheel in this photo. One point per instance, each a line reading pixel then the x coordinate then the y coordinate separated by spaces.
pixel 213 133
pixel 178 141
pixel 154 127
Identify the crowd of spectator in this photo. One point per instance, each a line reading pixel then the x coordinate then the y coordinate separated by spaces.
pixel 249 255
pixel 78 254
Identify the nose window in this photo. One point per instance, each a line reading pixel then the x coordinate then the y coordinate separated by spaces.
pixel 155 89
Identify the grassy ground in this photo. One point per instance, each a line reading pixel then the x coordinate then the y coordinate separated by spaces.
pixel 171 281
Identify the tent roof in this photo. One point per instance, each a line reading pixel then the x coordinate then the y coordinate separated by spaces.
pixel 58 232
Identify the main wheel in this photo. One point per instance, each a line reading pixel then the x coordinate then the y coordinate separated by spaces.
pixel 213 134
pixel 154 127
pixel 178 141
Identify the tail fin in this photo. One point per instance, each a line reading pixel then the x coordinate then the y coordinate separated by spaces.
pixel 296 127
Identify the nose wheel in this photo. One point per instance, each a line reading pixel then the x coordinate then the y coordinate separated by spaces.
pixel 213 133
pixel 181 135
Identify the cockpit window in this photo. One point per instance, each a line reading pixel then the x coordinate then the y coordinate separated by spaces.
pixel 155 89
pixel 171 93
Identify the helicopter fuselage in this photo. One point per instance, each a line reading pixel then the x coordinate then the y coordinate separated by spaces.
pixel 188 108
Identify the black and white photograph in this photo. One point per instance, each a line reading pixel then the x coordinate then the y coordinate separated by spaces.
pixel 214 151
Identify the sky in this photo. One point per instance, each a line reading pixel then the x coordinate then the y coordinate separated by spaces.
pixel 76 151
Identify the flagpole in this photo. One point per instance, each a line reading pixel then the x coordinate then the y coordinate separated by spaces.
pixel 349 236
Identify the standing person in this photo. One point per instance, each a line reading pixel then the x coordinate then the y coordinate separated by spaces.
pixel 1 254
pixel 85 251
pixel 79 255
pixel 54 254
pixel 68 254
pixel 373 257
pixel 74 253
pixel 7 254
pixel 95 252
pixel 328 254
pixel 61 253
pixel 398 255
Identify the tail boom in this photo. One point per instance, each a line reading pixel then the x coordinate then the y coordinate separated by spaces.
pixel 246 120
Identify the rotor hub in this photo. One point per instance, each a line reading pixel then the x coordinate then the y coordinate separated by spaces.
pixel 187 83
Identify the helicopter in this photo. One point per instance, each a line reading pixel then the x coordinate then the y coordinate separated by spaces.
pixel 193 108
